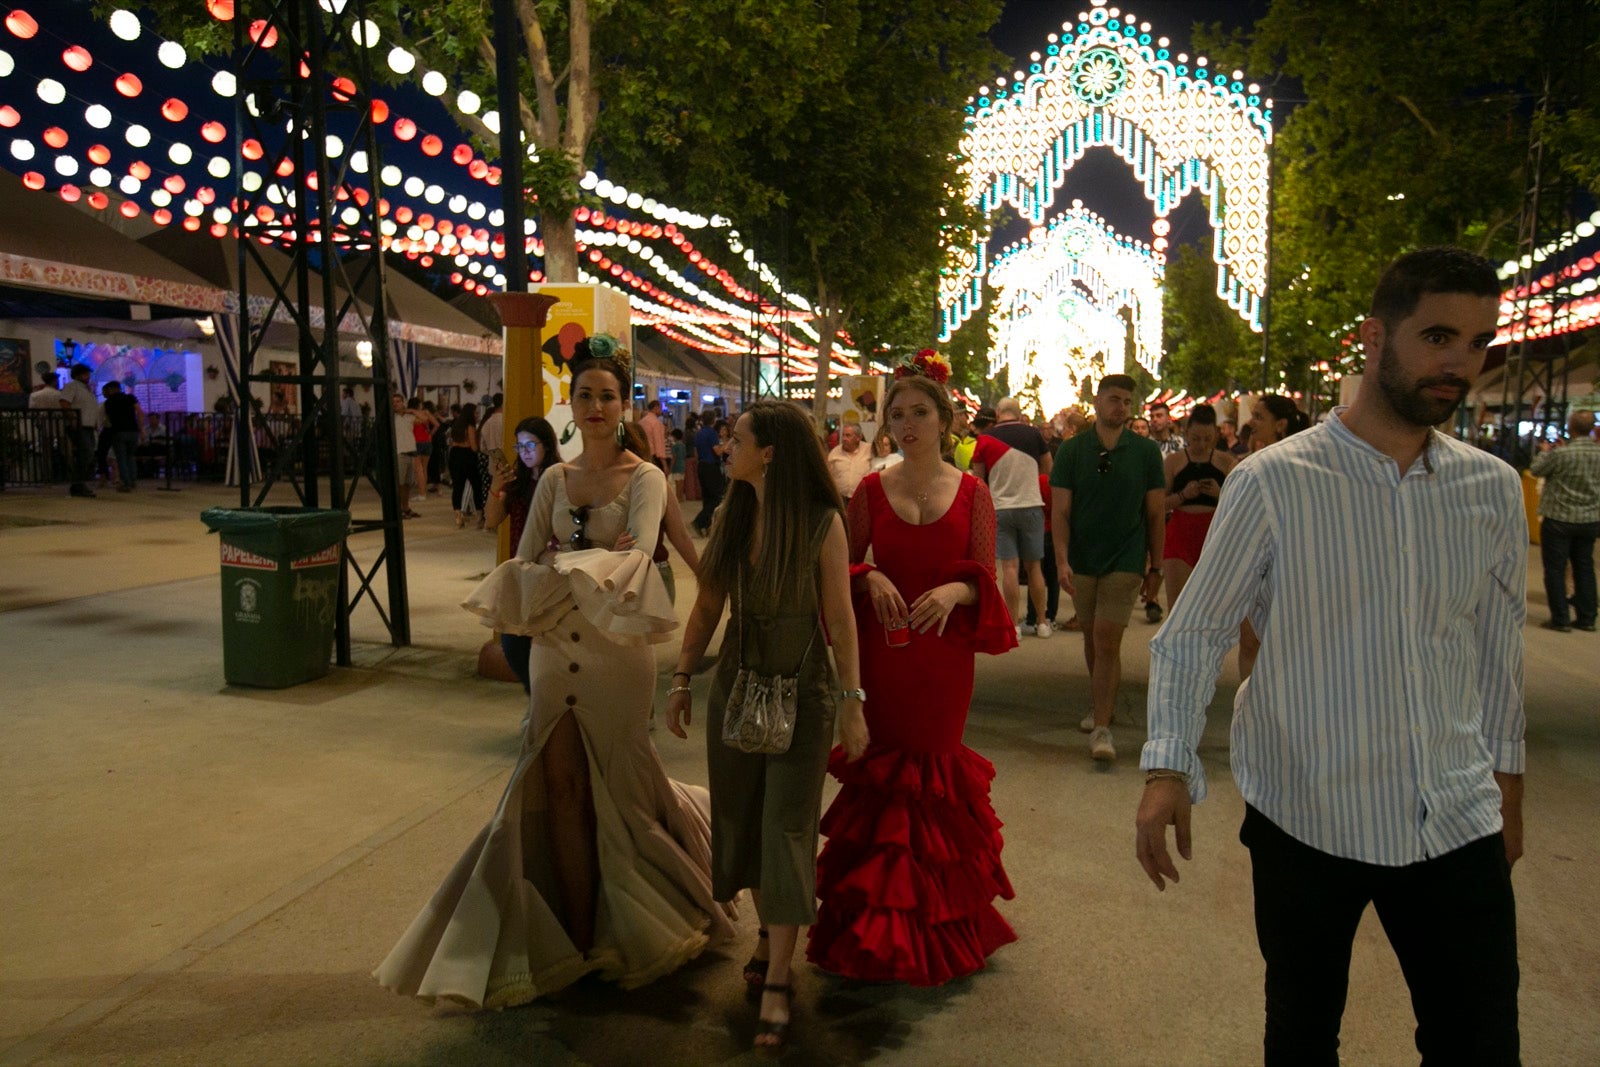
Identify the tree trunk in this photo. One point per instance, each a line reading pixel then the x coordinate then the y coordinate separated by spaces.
pixel 560 232
pixel 827 326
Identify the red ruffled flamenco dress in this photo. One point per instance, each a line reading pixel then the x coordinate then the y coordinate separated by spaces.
pixel 909 875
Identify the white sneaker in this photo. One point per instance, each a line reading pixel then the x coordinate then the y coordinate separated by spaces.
pixel 1044 629
pixel 1100 746
pixel 1021 630
pixel 1087 725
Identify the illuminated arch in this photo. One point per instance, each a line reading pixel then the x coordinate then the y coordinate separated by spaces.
pixel 1180 127
pixel 1067 301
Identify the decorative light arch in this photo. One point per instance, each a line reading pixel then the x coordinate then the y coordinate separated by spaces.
pixel 1181 127
pixel 1069 297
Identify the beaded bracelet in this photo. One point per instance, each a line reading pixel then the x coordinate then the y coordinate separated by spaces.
pixel 679 689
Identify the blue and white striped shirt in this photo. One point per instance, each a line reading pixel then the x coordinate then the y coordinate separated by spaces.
pixel 1390 612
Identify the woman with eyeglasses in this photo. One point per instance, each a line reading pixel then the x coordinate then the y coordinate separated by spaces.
pixel 778 555
pixel 594 860
pixel 510 494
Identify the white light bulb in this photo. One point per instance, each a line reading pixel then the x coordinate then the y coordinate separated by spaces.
pixel 66 166
pixel 97 116
pixel 414 186
pixel 491 119
pixel 401 61
pixel 222 215
pixel 171 54
pixel 102 178
pixel 468 101
pixel 219 167
pixel 365 33
pixel 7 64
pixel 250 180
pixel 433 194
pixel 358 162
pixel 497 217
pixel 137 135
pixel 194 208
pixel 332 146
pixel 125 24
pixel 51 91
pixel 635 201
pixel 180 153
pixel 223 83
pixel 350 216
pixel 434 84
pixel 476 211
pixel 390 175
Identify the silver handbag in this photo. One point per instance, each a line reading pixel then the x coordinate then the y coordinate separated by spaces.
pixel 760 715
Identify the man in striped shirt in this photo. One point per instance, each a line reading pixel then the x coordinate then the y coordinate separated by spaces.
pixel 1570 506
pixel 1379 743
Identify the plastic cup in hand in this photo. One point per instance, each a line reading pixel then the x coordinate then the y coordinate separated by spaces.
pixel 897 636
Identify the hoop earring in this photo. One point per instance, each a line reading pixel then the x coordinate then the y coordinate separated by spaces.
pixel 622 437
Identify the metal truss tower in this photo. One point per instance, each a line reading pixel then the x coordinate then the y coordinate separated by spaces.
pixel 328 222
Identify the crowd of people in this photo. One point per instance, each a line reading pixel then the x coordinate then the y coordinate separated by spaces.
pixel 1350 560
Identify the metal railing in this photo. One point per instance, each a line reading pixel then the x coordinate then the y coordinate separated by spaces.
pixel 36 447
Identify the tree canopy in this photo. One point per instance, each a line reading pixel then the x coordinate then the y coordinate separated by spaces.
pixel 852 190
pixel 1414 130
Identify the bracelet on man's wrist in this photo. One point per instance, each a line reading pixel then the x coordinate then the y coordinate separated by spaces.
pixel 1163 774
pixel 681 674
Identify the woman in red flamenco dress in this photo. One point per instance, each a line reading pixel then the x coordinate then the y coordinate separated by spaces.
pixel 909 875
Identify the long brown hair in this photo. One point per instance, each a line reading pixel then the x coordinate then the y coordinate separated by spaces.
pixel 798 489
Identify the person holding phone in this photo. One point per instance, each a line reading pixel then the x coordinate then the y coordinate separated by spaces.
pixel 926 605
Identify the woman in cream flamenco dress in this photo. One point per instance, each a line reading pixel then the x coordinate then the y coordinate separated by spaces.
pixel 594 860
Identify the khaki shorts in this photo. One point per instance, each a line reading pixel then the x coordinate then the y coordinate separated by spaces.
pixel 1109 597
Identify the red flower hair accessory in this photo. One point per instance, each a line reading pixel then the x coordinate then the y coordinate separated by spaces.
pixel 928 363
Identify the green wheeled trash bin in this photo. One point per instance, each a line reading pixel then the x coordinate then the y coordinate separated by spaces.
pixel 280 590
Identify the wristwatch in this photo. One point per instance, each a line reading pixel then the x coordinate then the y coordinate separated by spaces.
pixel 859 694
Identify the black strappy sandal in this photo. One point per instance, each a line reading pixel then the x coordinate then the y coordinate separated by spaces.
pixel 764 1028
pixel 755 972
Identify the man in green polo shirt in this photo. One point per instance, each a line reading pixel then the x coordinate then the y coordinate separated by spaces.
pixel 1108 498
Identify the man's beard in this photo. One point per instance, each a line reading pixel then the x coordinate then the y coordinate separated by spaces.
pixel 1407 399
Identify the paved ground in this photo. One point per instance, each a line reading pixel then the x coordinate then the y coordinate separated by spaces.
pixel 198 874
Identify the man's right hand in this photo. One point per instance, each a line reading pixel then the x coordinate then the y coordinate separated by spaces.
pixel 1165 803
pixel 1065 578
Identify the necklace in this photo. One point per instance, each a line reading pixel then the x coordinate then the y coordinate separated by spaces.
pixel 922 498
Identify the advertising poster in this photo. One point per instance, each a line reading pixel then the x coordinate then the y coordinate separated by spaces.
pixel 863 398
pixel 582 310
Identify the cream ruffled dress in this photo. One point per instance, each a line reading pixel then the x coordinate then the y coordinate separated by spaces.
pixel 491 936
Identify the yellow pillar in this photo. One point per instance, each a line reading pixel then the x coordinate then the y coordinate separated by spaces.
pixel 522 318
pixel 1530 503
